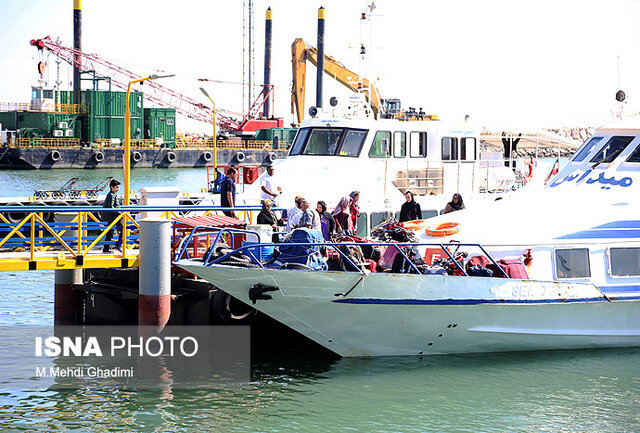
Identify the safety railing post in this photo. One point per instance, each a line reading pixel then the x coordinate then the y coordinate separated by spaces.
pixel 32 247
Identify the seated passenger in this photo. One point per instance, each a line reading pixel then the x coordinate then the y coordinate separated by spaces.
pixel 310 218
pixel 267 216
pixel 455 204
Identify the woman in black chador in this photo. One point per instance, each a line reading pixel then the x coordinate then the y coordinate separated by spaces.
pixel 410 210
pixel 455 204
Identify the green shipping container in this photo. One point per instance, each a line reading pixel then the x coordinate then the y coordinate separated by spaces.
pixel 106 127
pixel 104 103
pixel 43 123
pixel 160 123
pixel 285 135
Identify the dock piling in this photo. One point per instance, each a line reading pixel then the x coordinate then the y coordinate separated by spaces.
pixel 67 307
pixel 154 296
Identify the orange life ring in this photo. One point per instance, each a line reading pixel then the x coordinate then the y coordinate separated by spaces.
pixel 250 174
pixel 443 229
pixel 413 225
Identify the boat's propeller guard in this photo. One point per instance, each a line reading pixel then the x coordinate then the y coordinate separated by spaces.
pixel 258 292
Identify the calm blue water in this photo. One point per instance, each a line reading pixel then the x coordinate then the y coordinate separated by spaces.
pixel 568 391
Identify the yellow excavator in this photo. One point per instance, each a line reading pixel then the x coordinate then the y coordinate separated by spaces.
pixel 302 52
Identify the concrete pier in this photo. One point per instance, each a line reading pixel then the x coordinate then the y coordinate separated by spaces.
pixel 154 296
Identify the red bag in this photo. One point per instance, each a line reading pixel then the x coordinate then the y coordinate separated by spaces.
pixel 514 268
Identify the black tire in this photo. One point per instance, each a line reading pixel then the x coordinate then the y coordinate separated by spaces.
pixel 171 157
pixel 98 156
pixel 297 266
pixel 240 157
pixel 227 309
pixel 14 217
pixel 46 216
pixel 271 157
pixel 92 194
pixel 40 195
pixel 57 203
pixel 136 156
pixel 207 156
pixel 54 155
pixel 73 194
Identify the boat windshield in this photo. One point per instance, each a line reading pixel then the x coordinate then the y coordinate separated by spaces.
pixel 612 149
pixel 328 141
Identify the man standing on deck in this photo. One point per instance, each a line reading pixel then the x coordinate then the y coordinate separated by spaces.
pixel 268 191
pixel 111 202
pixel 228 191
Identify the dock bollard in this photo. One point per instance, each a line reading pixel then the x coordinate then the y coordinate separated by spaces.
pixel 67 304
pixel 154 276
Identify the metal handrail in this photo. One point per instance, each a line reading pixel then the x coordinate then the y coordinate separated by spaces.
pixel 183 250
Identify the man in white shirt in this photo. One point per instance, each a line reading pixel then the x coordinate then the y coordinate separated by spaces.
pixel 268 190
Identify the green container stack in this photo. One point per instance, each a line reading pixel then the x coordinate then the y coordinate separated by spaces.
pixel 160 123
pixel 106 114
pixel 285 136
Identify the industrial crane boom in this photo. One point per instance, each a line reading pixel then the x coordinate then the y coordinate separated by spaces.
pixel 155 92
pixel 301 52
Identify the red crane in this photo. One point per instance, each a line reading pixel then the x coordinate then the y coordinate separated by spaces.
pixel 159 94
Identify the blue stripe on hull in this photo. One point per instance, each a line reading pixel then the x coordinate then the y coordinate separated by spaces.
pixel 372 301
pixel 632 224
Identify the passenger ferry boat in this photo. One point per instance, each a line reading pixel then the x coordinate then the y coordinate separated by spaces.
pixel 347 150
pixel 579 237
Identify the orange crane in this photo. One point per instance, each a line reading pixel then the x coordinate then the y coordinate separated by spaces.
pixel 159 94
pixel 301 52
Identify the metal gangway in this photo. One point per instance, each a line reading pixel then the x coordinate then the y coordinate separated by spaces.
pixel 73 237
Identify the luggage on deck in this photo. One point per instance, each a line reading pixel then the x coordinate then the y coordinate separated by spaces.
pixel 514 268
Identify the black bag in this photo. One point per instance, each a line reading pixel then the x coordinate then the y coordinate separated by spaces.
pixel 479 271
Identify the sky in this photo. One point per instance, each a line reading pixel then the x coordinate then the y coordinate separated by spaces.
pixel 507 64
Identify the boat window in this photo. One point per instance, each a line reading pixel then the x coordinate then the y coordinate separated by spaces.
pixel 612 149
pixel 573 263
pixel 586 149
pixel 449 148
pixel 298 142
pixel 323 141
pixel 625 262
pixel 468 149
pixel 352 144
pixel 399 144
pixel 377 149
pixel 47 94
pixel 635 156
pixel 418 144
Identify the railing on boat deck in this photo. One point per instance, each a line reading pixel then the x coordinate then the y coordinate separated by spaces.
pixel 208 247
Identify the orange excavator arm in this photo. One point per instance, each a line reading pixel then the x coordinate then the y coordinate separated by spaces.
pixel 336 70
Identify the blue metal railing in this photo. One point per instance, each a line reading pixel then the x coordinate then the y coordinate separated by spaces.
pixel 248 249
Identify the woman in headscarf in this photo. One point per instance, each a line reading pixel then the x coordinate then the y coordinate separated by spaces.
pixel 410 209
pixel 267 216
pixel 342 216
pixel 354 209
pixel 329 225
pixel 455 204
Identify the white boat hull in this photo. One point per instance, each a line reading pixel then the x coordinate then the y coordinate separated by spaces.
pixel 404 314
